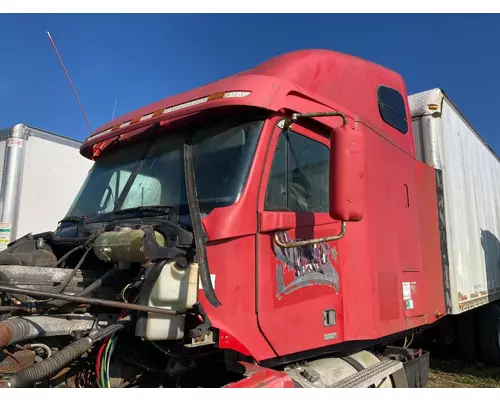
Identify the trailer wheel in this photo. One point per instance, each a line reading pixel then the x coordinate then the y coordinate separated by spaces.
pixel 489 334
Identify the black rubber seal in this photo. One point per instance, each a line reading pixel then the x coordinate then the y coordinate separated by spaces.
pixel 198 230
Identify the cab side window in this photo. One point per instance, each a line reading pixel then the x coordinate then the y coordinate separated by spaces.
pixel 299 175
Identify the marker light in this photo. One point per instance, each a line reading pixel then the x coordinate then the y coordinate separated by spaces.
pixel 214 96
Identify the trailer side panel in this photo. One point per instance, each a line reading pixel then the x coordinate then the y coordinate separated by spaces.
pixel 471 188
pixel 53 174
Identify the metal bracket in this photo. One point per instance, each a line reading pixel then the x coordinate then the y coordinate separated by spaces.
pixel 308 242
pixel 203 340
pixel 155 252
pixel 287 124
pixel 201 335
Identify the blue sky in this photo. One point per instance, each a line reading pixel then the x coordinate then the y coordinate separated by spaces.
pixel 139 59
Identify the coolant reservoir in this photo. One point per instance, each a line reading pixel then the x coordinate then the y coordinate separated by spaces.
pixel 175 289
pixel 124 245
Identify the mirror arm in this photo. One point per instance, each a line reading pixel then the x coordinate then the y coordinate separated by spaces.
pixel 296 116
pixel 287 125
pixel 300 243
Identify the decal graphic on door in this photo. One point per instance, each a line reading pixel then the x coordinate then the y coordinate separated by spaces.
pixel 305 266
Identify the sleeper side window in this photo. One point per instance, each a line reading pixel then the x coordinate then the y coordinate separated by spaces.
pixel 392 108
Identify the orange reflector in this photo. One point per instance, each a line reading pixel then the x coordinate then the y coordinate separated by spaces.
pixel 157 113
pixel 216 96
pixel 433 106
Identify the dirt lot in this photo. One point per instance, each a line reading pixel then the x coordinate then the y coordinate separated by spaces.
pixel 458 374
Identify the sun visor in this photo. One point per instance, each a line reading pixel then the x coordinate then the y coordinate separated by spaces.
pixel 92 148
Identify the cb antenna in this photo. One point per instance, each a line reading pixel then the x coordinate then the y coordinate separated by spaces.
pixel 114 108
pixel 69 80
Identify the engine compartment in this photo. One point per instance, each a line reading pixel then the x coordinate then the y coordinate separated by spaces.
pixel 107 304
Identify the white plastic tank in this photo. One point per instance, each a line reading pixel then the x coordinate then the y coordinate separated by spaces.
pixel 175 289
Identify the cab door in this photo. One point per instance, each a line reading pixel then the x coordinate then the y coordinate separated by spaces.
pixel 299 303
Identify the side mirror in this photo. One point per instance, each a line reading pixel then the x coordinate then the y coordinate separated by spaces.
pixel 347 174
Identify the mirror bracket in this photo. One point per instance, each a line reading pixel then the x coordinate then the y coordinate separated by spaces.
pixel 300 243
pixel 295 116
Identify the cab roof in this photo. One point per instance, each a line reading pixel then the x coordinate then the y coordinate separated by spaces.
pixel 328 78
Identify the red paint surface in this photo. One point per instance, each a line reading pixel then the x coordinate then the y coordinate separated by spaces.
pixel 397 240
pixel 227 341
pixel 429 239
pixel 267 379
pixel 259 377
pixel 233 263
pixel 347 165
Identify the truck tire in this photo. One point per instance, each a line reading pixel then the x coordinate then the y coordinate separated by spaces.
pixel 489 334
pixel 466 336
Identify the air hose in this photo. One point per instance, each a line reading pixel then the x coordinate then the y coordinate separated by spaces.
pixel 59 360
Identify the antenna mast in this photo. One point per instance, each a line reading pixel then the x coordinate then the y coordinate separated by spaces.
pixel 70 83
pixel 114 108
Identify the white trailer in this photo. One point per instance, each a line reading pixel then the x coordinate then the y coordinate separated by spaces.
pixel 469 193
pixel 41 175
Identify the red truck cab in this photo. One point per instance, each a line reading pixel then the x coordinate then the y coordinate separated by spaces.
pixel 264 181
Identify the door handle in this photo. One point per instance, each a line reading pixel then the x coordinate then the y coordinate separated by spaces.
pixel 406 195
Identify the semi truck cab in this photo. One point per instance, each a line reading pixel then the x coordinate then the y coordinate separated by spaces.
pixel 265 230
pixel 268 175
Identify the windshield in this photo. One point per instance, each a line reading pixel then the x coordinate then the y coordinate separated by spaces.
pixel 151 173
